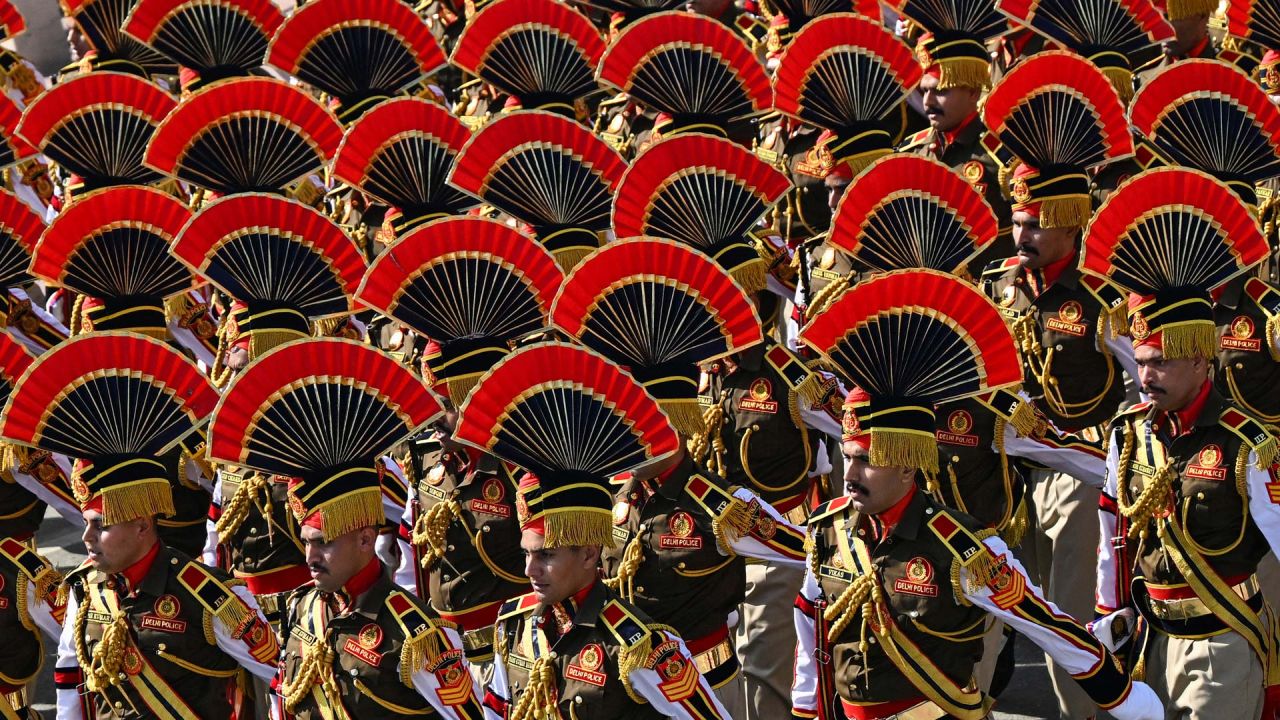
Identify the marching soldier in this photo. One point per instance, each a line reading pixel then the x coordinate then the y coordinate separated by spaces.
pixel 30 611
pixel 148 631
pixel 957 70
pixel 1190 502
pixel 1065 323
pixel 574 647
pixel 889 619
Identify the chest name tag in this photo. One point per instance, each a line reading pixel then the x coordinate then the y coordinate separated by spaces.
pixel 835 573
pixel 307 637
pixel 97 617
pixel 520 661
pixel 621 535
pixel 436 492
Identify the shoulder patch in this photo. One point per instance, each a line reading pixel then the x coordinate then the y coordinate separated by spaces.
pixel 1252 433
pixel 27 561
pixel 517 606
pixel 915 140
pixel 212 593
pixel 1107 294
pixel 966 546
pixel 1266 297
pixel 409 615
pixel 624 624
pixel 828 509
pixel 999 267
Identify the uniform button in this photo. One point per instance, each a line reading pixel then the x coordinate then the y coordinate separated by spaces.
pixel 955 458
pixel 928 511
pixel 450 548
pixel 554 655
pixel 635 495
pixel 444 577
pixel 1199 496
pixel 355 672
pixel 484 528
pixel 681 566
pixel 639 589
pixel 253 531
pixel 755 427
pixel 914 613
pixel 119 704
pixel 862 533
pixel 123 676
pixel 173 561
pixel 1058 347
pixel 161 647
pixel 577 699
pixel 1239 366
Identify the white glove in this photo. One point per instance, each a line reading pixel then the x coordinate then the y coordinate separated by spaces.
pixel 1142 704
pixel 1106 630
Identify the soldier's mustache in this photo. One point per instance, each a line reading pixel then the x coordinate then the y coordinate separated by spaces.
pixel 857 487
pixel 1028 250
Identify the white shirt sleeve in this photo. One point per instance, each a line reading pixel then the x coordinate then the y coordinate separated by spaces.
pixel 786 545
pixel 1076 459
pixel 499 690
pixel 238 648
pixel 70 704
pixel 804 685
pixel 406 573
pixel 1106 592
pixel 42 614
pixel 428 685
pixel 1264 510
pixel 648 684
pixel 66 510
pixel 209 556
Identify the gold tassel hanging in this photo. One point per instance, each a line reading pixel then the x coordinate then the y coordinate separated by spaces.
pixel 624 581
pixel 707 446
pixel 144 499
pixel 538 702
pixel 176 308
pixel 1015 529
pixel 1066 212
pixel 1193 340
pixel 1154 495
pixel 76 318
pixel 414 655
pixel 1122 80
pixel 574 529
pixel 316 667
pixel 430 529
pixel 752 275
pixel 963 72
pixel 1272 332
pixel 103 669
pixel 981 568
pixel 827 295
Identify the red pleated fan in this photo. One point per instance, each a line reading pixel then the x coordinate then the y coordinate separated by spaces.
pixel 12 23
pixel 229 36
pixel 20 229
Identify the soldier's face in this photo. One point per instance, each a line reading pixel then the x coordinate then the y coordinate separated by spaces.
pixel 335 562
pixel 112 548
pixel 442 430
pixel 873 488
pixel 557 573
pixel 1171 384
pixel 946 109
pixel 1040 246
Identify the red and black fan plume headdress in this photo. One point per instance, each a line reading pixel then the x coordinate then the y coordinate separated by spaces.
pixel 101 22
pixel 322 411
pixel 15 358
pixel 911 339
pixel 1059 115
pixel 1256 20
pixel 112 245
pixel 909 211
pixel 215 39
pixel 470 285
pixel 659 309
pixel 953 46
pixel 20 229
pixel 1211 116
pixel 547 171
pixel 286 262
pixel 703 191
pixel 787 17
pixel 1170 236
pixel 245 135
pixel 401 153
pixel 13 147
pixel 573 419
pixel 849 76
pixel 691 68
pixel 97 126
pixel 1115 35
pixel 116 401
pixel 542 52
pixel 12 24
pixel 360 53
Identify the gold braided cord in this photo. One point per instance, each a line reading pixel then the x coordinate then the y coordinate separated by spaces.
pixel 624 580
pixel 1154 495
pixel 538 702
pixel 316 668
pixel 236 511
pixel 708 446
pixel 103 669
pixel 1013 526
pixel 76 320
pixel 848 605
pixel 219 374
pixel 430 529
pixel 823 298
pixel 1040 363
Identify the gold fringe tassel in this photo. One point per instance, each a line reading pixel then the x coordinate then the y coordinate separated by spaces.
pixel 575 529
pixel 460 387
pixel 1066 212
pixel 624 581
pixel 263 341
pixel 103 669
pixel 963 72
pixel 539 699
pixel 1273 331
pixel 1122 80
pixel 685 415
pixel 1182 9
pixel 414 655
pixel 707 445
pixel 827 295
pixel 736 520
pixel 752 276
pixel 1154 495
pixel 1016 529
pixel 633 658
pixel 568 258
pixel 176 307
pixel 1193 340
pixel 430 529
pixel 360 509
pixel 890 447
pixel 858 163
pixel 981 568
pixel 144 499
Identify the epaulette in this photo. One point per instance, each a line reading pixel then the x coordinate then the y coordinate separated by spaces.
pixel 76 576
pixel 517 606
pixel 1252 433
pixel 215 595
pixel 970 552
pixel 410 617
pixel 1106 293
pixel 916 140
pixel 1264 295
pixel 624 625
pixel 827 509
pixel 999 267
pixel 799 378
pixel 24 559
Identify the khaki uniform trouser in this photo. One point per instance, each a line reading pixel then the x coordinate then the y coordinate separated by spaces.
pixel 992 643
pixel 1205 679
pixel 730 695
pixel 765 640
pixel 1060 554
